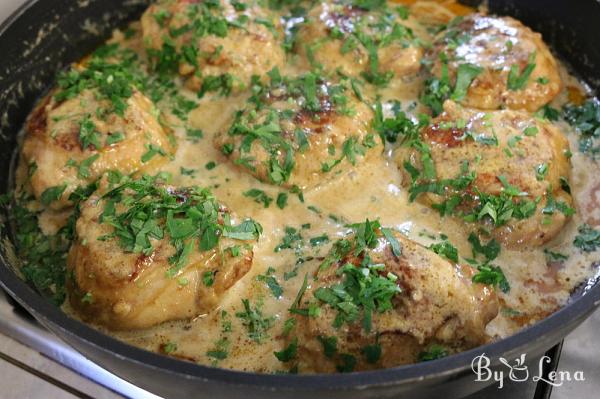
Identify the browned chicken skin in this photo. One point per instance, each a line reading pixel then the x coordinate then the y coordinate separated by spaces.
pixel 498 44
pixel 124 289
pixel 435 304
pixel 528 154
pixel 53 145
pixel 320 46
pixel 323 140
pixel 240 50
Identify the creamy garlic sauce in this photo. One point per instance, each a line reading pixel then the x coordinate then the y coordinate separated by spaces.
pixel 373 190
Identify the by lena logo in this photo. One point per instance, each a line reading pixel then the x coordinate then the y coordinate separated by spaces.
pixel 518 371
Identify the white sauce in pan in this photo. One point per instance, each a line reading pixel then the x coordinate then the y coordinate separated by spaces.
pixel 372 189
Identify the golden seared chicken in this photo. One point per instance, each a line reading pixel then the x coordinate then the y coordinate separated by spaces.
pixel 146 253
pixel 438 12
pixel 360 38
pixel 381 300
pixel 94 122
pixel 215 44
pixel 299 130
pixel 494 62
pixel 504 170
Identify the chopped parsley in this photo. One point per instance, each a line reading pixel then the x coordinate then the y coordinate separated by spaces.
pixel 490 251
pixel 319 240
pixel 43 257
pixel 83 168
pixel 169 347
pixel 187 172
pixel 291 240
pixel 439 89
pixel 220 351
pixel 465 74
pixel 113 81
pixel 555 256
pixel 588 239
pixel 281 201
pixel 348 363
pixel 266 123
pixel 491 275
pixel 541 171
pixel 288 326
pixel 432 352
pixel 259 196
pixel 436 91
pixel 189 216
pixel 194 134
pixel 89 137
pixel 393 241
pixel 288 353
pixel 255 322
pixel 52 194
pixel 115 138
pixel 445 249
pixel 517 80
pixel 329 345
pixel 364 288
pixel 473 205
pixel 372 353
pixel 585 118
pixel 223 84
pixel 208 278
pixel 271 282
pixel 378 29
pixel 548 112
pixel 399 128
pixel 152 151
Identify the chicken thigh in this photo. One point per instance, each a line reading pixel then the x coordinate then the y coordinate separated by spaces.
pixel 216 45
pixel 505 172
pixel 146 252
pixel 517 70
pixel 300 131
pixel 383 301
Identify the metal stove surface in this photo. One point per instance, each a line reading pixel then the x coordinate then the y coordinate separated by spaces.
pixel 20 326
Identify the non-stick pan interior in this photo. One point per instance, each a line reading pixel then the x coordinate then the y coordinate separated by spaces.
pixel 45 36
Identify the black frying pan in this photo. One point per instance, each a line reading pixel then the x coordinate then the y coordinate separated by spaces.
pixel 44 36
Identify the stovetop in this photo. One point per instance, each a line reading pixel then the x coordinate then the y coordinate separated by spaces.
pixel 20 326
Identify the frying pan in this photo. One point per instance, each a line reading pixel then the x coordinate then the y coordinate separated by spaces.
pixel 45 36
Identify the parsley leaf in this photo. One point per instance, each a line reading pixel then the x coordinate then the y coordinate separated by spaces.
pixel 255 322
pixel 288 353
pixel 52 194
pixel 433 352
pixel 260 197
pixel 446 249
pixel 585 118
pixel 588 239
pixel 88 135
pixel 518 80
pixel 282 199
pixel 372 353
pixel 465 74
pixel 271 282
pixel 491 250
pixel 329 345
pixel 491 275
